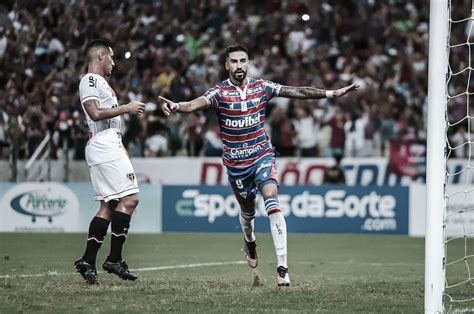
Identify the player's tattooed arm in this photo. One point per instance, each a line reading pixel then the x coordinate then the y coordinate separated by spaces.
pixel 307 92
pixel 303 92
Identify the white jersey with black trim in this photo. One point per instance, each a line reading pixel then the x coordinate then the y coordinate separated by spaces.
pixel 105 143
pixel 95 87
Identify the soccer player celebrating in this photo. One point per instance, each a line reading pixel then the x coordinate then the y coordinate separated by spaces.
pixel 248 155
pixel 111 171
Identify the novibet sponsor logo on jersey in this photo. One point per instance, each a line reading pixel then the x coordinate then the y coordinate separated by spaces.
pixel 243 123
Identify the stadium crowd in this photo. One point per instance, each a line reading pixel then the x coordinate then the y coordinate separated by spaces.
pixel 174 49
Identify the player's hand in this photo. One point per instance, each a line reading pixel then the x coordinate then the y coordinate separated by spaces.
pixel 342 91
pixel 168 106
pixel 136 107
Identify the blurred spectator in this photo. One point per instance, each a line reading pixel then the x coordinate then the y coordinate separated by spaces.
pixel 399 159
pixel 174 49
pixel 134 137
pixel 156 142
pixel 387 129
pixel 193 134
pixel 156 145
pixel 80 135
pixel 460 143
pixel 307 130
pixel 338 136
pixel 3 135
pixel 63 126
pixel 212 141
pixel 174 134
pixel 335 174
pixel 354 130
pixel 34 132
pixel 3 42
pixel 282 132
pixel 16 137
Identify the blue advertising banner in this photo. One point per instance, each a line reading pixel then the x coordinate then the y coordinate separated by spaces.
pixel 312 209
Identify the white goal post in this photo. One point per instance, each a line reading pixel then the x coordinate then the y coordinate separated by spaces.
pixel 449 243
pixel 436 163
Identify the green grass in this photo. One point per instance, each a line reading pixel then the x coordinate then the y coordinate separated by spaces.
pixel 329 274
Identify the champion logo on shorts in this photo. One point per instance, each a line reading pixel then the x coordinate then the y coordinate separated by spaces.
pixel 131 176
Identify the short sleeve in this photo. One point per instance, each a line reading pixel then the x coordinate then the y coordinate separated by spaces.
pixel 271 89
pixel 212 97
pixel 88 88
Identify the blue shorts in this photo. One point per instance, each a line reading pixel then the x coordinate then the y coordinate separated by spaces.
pixel 246 186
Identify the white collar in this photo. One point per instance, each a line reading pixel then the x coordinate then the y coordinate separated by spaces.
pixel 243 93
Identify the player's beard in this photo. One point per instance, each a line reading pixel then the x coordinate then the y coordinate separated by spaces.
pixel 239 77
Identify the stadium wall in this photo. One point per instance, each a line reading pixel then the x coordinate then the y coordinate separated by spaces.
pixel 199 199
pixel 58 207
pixel 184 170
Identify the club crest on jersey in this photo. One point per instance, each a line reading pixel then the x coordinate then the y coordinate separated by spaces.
pixel 255 102
pixel 243 194
pixel 131 176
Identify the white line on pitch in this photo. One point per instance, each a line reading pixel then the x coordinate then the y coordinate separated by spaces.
pixel 55 273
pixel 189 266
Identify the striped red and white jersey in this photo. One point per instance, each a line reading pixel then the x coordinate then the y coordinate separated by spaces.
pixel 241 114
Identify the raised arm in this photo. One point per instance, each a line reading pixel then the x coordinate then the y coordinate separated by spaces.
pixel 183 106
pixel 306 92
pixel 97 114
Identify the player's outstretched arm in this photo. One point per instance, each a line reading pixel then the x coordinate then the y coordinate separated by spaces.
pixel 169 106
pixel 97 114
pixel 306 92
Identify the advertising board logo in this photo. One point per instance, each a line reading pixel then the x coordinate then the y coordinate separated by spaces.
pixel 374 211
pixel 212 206
pixel 39 203
pixel 39 207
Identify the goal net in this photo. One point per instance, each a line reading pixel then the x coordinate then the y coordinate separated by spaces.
pixel 449 245
pixel 459 193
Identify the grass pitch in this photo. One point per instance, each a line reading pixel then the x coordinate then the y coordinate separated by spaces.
pixel 329 274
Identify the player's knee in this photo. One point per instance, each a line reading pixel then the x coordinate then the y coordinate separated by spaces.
pixel 247 205
pixel 131 202
pixel 269 189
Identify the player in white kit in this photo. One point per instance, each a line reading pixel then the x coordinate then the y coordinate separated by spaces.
pixel 112 174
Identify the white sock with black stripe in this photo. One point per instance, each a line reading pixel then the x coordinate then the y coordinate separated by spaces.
pixel 247 224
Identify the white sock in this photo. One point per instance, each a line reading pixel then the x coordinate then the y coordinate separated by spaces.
pixel 281 261
pixel 247 228
pixel 278 228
